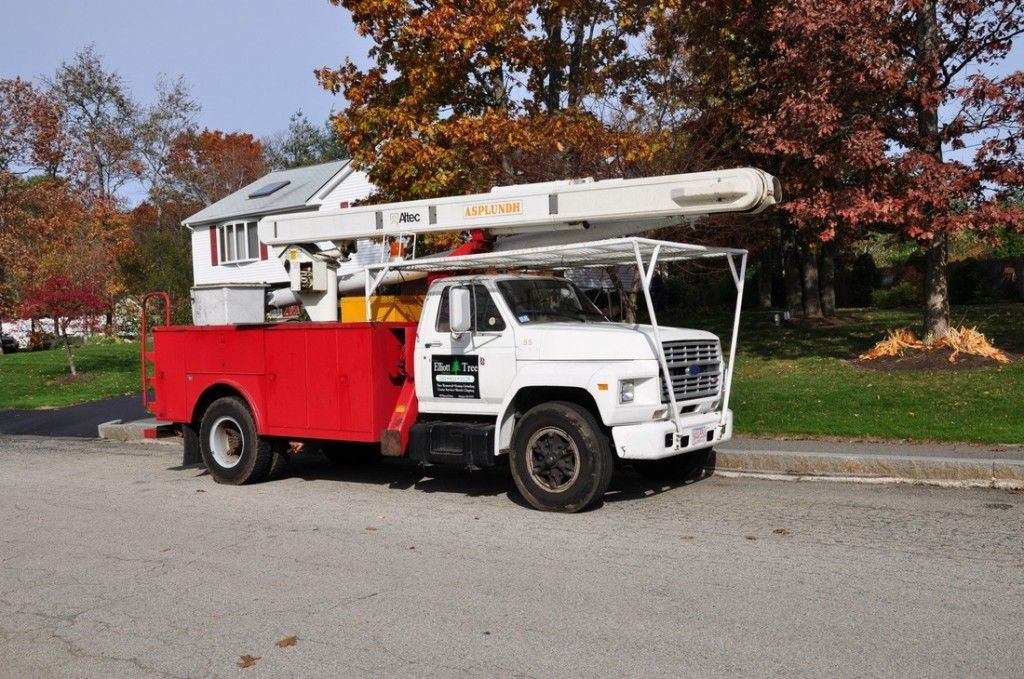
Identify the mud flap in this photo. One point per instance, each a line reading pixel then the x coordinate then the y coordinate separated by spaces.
pixel 191 454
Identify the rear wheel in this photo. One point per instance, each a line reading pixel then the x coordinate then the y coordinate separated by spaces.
pixel 231 449
pixel 675 469
pixel 561 460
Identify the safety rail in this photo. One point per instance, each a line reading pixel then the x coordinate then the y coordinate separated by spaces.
pixel 147 357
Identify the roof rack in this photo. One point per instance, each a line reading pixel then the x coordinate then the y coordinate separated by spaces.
pixel 644 253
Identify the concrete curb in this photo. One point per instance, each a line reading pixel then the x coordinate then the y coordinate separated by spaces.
pixel 960 466
pixel 986 471
pixel 139 430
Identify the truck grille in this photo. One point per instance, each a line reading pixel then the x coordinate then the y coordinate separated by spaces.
pixel 695 367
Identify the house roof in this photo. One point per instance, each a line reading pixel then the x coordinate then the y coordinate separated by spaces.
pixel 303 184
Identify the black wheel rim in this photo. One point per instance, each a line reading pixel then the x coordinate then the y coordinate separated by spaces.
pixel 553 459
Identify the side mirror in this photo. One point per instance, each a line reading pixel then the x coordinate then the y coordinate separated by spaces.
pixel 460 316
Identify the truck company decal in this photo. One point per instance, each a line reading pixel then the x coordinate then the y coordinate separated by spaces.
pixel 455 376
pixel 405 217
pixel 507 207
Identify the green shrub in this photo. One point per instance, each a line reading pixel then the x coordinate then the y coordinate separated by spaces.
pixel 40 340
pixel 863 279
pixel 968 282
pixel 107 340
pixel 904 294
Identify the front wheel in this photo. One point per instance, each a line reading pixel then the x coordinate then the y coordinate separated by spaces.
pixel 561 460
pixel 231 449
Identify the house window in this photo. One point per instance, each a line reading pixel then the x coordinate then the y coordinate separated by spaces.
pixel 238 242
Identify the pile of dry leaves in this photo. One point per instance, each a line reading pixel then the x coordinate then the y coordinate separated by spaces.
pixel 962 340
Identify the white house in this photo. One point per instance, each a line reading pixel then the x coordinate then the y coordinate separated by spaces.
pixel 225 244
pixel 226 247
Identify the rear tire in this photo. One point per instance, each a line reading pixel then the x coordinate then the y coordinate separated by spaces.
pixel 675 469
pixel 561 459
pixel 232 451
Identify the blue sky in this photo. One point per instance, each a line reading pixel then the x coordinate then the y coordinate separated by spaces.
pixel 250 62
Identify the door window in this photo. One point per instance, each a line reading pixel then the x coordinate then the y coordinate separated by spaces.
pixel 486 317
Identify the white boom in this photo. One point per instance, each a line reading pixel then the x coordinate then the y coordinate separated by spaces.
pixel 613 206
pixel 524 216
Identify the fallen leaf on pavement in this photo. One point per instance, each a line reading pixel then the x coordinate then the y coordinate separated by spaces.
pixel 750 537
pixel 781 531
pixel 247 660
pixel 287 641
pixel 200 490
pixel 370 528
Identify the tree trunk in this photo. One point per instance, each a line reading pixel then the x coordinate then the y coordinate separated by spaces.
pixel 936 292
pixel 764 278
pixel 828 279
pixel 630 301
pixel 71 356
pixel 812 296
pixel 794 295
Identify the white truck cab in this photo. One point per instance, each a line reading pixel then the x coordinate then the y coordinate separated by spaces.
pixel 529 332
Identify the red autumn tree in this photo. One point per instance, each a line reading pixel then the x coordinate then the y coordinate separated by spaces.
pixel 31 137
pixel 53 231
pixel 750 93
pixel 207 166
pixel 63 299
pixel 843 101
pixel 950 100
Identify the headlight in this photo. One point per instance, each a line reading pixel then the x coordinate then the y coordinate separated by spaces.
pixel 627 391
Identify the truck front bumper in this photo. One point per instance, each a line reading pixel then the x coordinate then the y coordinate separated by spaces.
pixel 658 440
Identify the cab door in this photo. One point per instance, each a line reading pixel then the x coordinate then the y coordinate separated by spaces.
pixel 468 373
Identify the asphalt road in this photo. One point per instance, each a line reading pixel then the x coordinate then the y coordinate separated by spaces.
pixel 116 562
pixel 79 420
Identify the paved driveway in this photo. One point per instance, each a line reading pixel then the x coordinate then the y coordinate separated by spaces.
pixel 80 420
pixel 114 561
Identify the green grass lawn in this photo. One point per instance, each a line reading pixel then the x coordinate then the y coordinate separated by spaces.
pixel 26 378
pixel 796 381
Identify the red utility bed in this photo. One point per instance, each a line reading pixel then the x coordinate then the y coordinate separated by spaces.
pixel 302 380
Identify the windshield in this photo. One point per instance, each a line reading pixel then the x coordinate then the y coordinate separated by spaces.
pixel 543 300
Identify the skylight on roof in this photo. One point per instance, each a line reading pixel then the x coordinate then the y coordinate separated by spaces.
pixel 268 189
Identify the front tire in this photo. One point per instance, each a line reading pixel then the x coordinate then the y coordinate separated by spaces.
pixel 561 459
pixel 232 451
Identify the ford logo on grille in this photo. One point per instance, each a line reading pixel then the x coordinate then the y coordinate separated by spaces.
pixel 693 370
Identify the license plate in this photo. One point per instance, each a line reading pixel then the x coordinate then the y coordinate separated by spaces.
pixel 698 435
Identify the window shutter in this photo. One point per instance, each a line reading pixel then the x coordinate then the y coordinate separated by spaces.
pixel 213 245
pixel 263 251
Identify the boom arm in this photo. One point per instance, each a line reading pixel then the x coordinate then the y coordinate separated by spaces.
pixel 530 215
pixel 620 205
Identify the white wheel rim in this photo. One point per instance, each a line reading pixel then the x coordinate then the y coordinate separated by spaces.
pixel 227 443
